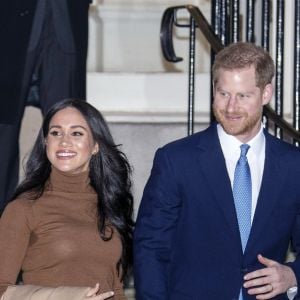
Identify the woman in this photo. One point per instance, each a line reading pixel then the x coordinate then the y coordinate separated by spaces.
pixel 69 229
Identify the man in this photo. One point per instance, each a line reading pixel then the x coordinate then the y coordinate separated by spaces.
pixel 43 60
pixel 221 207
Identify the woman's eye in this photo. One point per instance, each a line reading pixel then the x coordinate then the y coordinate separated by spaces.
pixel 54 133
pixel 77 133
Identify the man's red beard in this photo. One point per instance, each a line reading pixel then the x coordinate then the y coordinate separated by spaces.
pixel 243 124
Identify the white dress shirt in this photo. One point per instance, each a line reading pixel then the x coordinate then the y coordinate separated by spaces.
pixel 256 158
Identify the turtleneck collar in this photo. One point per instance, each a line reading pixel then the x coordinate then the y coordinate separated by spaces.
pixel 70 183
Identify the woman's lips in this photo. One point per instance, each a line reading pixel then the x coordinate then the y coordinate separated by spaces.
pixel 65 154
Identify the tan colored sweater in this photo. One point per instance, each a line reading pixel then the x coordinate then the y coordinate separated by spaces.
pixel 55 240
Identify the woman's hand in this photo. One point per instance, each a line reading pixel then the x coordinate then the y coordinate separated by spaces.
pixel 92 294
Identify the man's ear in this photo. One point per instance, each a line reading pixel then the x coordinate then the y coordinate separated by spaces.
pixel 267 94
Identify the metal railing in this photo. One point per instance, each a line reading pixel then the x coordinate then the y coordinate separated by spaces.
pixel 225 29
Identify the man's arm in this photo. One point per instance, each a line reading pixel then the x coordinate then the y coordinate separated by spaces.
pixel 154 230
pixel 276 278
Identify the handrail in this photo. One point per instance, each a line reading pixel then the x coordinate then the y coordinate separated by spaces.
pixel 166 32
pixel 166 37
pixel 270 113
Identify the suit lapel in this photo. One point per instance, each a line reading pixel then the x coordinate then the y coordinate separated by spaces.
pixel 269 192
pixel 213 169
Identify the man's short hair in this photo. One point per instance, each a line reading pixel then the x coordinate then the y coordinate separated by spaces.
pixel 242 55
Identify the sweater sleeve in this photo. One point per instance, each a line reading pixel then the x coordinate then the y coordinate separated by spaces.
pixel 118 287
pixel 33 292
pixel 119 292
pixel 14 241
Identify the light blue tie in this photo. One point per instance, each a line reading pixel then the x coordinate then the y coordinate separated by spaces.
pixel 242 194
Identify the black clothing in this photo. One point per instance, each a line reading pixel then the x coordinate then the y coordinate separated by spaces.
pixel 45 42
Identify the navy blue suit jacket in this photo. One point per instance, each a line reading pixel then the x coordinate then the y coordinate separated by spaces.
pixel 187 243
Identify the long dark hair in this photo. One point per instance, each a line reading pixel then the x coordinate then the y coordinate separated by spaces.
pixel 109 174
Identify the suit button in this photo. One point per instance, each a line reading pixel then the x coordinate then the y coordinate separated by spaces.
pixel 24 13
pixel 244 270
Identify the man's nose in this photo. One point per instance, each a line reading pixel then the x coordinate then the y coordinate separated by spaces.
pixel 232 103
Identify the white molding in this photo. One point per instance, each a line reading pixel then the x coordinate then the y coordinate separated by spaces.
pixel 153 118
pixel 157 97
pixel 151 2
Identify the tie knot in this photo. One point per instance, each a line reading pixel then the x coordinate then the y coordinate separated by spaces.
pixel 244 149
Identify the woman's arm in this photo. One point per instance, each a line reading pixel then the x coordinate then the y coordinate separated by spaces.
pixel 34 292
pixel 15 229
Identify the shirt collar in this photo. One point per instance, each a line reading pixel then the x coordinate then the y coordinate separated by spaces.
pixel 231 145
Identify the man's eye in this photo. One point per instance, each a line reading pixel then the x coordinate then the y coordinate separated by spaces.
pixel 243 96
pixel 223 94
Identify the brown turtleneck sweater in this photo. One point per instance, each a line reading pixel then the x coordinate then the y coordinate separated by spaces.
pixel 55 241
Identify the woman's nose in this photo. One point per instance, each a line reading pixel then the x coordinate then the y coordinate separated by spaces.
pixel 65 140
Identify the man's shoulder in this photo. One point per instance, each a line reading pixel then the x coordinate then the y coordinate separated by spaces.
pixel 280 144
pixel 284 150
pixel 194 139
pixel 190 145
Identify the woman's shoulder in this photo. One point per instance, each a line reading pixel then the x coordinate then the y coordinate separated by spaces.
pixel 18 214
pixel 19 206
pixel 24 199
